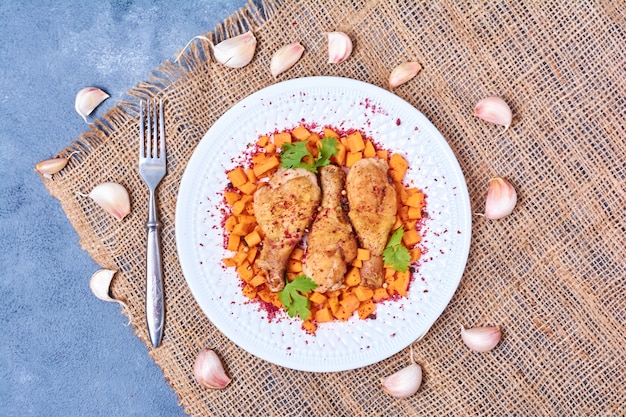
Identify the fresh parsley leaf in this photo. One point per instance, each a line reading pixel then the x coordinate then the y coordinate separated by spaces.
pixel 395 254
pixel 292 155
pixel 291 296
pixel 327 148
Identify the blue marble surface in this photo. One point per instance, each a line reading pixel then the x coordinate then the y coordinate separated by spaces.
pixel 63 352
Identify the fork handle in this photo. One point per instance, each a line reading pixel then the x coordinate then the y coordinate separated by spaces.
pixel 154 288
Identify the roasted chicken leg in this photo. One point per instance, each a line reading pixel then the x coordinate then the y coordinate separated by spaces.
pixel 331 244
pixel 373 207
pixel 284 209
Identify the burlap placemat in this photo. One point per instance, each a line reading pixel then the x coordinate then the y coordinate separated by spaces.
pixel 551 274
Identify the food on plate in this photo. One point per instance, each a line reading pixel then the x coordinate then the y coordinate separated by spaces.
pixel 280 225
pixel 284 209
pixel 331 243
pixel 373 209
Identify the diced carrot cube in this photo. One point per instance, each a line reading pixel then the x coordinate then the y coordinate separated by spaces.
pixel 249 291
pixel 343 314
pixel 229 262
pixel 253 238
pixel 294 265
pixel 363 254
pixel 382 155
pixel 349 302
pixel 340 157
pixel 329 133
pixel 380 294
pixel 282 138
pixel 353 277
pixel 232 197
pixel 266 165
pixel 333 304
pixel 352 158
pixel 252 252
pixel 240 257
pixel 355 142
pixel 415 200
pixel 270 148
pixel 414 213
pixel 237 176
pixel 366 309
pixel 317 298
pixel 309 326
pixel 416 254
pixel 245 271
pixel 323 315
pixel 233 242
pixel 263 140
pixel 251 175
pixel 402 282
pixel 369 151
pixel 247 188
pixel 242 229
pixel 411 238
pixel 397 167
pixel 265 294
pixel 363 293
pixel 230 223
pixel 257 281
pixel 301 133
pixel 239 207
pixel 297 254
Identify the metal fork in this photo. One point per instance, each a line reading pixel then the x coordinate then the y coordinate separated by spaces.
pixel 152 167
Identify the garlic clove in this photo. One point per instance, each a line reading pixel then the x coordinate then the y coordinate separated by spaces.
pixel 285 58
pixel 113 198
pixel 404 382
pixel 209 371
pixel 494 110
pixel 339 47
pixel 501 199
pixel 51 166
pixel 88 99
pixel 481 339
pixel 403 73
pixel 237 51
pixel 100 285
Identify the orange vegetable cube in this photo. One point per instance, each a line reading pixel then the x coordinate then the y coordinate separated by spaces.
pixel 343 314
pixel 265 294
pixel 294 265
pixel 229 262
pixel 380 294
pixel 363 293
pixel 401 283
pixel 241 229
pixel 349 302
pixel 411 238
pixel 414 213
pixel 382 154
pixel 397 167
pixel 340 157
pixel 416 254
pixel 369 151
pixel 253 238
pixel 363 254
pixel 230 223
pixel 232 197
pixel 415 200
pixel 297 254
pixel 249 291
pixel 353 277
pixel 233 242
pixel 333 304
pixel 281 138
pixel 239 207
pixel 317 298
pixel 366 309
pixel 252 252
pixel 352 158
pixel 237 176
pixel 355 142
pixel 270 148
pixel 245 271
pixel 357 263
pixel 309 326
pixel 266 165
pixel 329 133
pixel 247 188
pixel 257 281
pixel 323 315
pixel 301 133
pixel 263 140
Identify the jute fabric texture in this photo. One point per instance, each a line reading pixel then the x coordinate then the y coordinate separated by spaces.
pixel 551 274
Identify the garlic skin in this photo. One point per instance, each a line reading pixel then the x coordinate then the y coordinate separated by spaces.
pixel 339 47
pixel 100 285
pixel 494 110
pixel 285 58
pixel 236 52
pixel 209 371
pixel 403 73
pixel 404 382
pixel 501 199
pixel 481 339
pixel 113 198
pixel 87 100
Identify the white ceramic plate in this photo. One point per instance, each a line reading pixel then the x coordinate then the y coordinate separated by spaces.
pixel 345 104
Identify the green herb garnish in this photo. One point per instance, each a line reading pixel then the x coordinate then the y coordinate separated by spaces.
pixel 395 254
pixel 293 154
pixel 291 296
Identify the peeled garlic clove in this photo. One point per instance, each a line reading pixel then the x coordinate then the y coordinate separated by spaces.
pixel 403 383
pixel 403 73
pixel 236 52
pixel 339 47
pixel 501 199
pixel 100 285
pixel 51 166
pixel 113 198
pixel 285 58
pixel 494 110
pixel 481 339
pixel 88 99
pixel 209 371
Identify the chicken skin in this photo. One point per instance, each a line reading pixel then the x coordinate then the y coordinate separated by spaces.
pixel 373 207
pixel 331 244
pixel 284 209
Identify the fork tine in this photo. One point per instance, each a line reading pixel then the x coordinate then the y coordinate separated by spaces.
pixel 149 131
pixel 141 131
pixel 161 131
pixel 155 137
